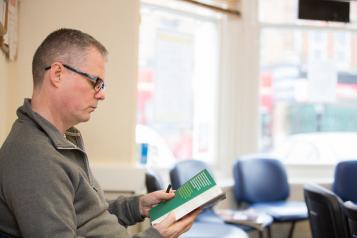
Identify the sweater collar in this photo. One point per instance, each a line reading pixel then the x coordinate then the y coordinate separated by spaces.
pixel 55 136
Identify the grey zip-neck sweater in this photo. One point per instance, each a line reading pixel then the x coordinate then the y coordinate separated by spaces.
pixel 47 189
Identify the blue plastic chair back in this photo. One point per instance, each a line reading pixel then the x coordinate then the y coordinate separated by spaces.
pixel 345 180
pixel 260 180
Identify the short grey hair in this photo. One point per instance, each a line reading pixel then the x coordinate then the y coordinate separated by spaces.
pixel 64 45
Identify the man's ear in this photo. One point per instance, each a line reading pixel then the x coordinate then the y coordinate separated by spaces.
pixel 56 72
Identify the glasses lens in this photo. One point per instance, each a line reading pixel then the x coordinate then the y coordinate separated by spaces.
pixel 99 85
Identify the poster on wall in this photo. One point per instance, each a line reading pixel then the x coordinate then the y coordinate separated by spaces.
pixel 173 89
pixel 322 72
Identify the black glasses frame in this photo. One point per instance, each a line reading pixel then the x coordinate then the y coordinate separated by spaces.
pixel 98 83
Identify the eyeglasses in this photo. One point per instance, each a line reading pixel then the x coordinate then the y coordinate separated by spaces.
pixel 98 83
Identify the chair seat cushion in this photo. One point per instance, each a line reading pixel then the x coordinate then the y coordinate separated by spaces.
pixel 209 216
pixel 283 210
pixel 213 230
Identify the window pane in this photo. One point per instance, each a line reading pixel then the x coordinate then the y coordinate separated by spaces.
pixel 309 86
pixel 177 81
pixel 284 11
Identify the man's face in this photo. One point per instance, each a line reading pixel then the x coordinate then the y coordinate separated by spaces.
pixel 79 96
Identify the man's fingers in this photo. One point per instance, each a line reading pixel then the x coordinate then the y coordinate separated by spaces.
pixel 170 228
pixel 162 195
pixel 185 223
pixel 169 220
pixel 189 221
pixel 193 215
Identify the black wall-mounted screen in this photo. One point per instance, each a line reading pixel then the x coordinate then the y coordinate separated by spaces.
pixel 324 10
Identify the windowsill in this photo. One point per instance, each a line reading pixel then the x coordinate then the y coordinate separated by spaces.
pixel 302 163
pixel 298 174
pixel 118 177
pixel 111 177
pixel 310 173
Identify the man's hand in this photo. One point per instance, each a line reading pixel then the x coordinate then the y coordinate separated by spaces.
pixel 149 200
pixel 170 228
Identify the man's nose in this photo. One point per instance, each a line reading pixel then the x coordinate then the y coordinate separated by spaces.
pixel 100 95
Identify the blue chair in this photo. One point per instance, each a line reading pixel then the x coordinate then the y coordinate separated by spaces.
pixel 345 180
pixel 208 223
pixel 325 212
pixel 262 184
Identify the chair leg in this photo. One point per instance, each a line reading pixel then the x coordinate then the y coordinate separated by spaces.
pixel 291 233
pixel 261 235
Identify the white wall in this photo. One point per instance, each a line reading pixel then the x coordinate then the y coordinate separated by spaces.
pixel 4 101
pixel 109 136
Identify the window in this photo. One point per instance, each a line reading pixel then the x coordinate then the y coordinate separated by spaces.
pixel 308 85
pixel 177 87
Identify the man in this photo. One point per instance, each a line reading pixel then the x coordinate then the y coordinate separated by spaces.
pixel 46 186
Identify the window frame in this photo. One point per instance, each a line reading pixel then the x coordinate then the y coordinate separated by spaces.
pixel 204 15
